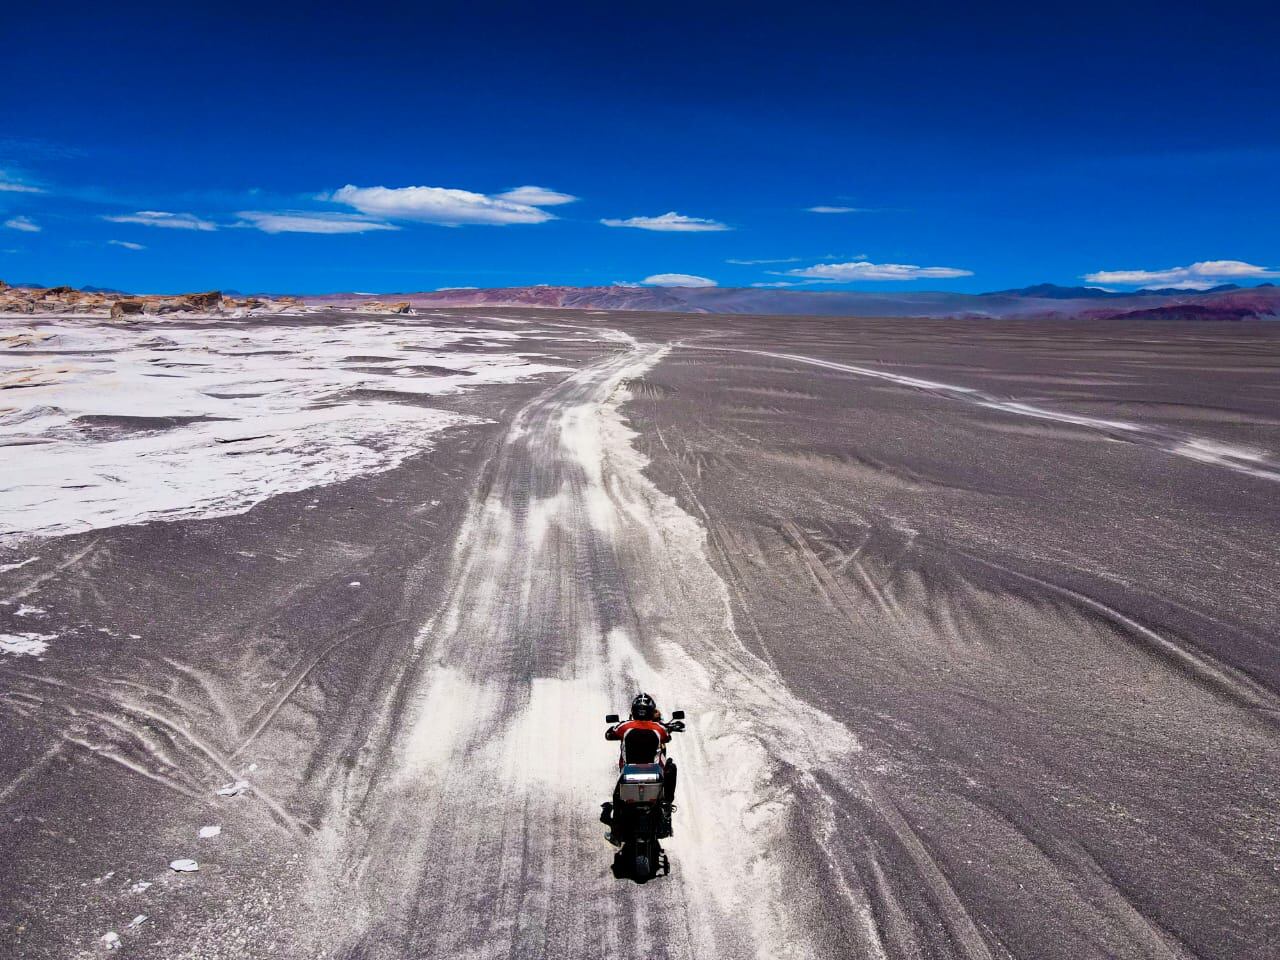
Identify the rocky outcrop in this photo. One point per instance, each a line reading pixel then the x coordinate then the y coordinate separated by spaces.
pixel 204 302
pixel 186 303
pixel 101 302
pixel 125 308
pixel 401 307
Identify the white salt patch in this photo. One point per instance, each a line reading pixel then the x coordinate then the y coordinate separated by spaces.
pixel 27 644
pixel 207 833
pixel 1058 416
pixel 1242 459
pixel 111 940
pixel 261 412
pixel 354 583
pixel 6 567
pixel 28 611
pixel 233 789
pixel 137 921
pixel 542 512
pixel 446 708
pixel 140 886
pixel 184 865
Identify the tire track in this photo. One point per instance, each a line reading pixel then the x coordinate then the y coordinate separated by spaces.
pixel 1253 463
pixel 575 582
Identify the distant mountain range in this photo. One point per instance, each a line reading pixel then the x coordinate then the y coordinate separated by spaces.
pixel 1051 291
pixel 1043 301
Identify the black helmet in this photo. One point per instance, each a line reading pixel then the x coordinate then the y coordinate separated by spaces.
pixel 643 707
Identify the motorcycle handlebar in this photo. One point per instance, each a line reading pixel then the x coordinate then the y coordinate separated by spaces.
pixel 675 726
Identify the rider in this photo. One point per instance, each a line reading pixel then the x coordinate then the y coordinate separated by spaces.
pixel 645 715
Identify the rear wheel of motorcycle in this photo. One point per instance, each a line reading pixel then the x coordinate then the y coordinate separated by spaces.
pixel 642 862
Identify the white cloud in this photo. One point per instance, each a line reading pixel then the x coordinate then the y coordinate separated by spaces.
pixel 537 196
pixel 779 283
pixel 25 224
pixel 865 270
pixel 754 263
pixel 162 218
pixel 297 222
pixel 443 289
pixel 447 207
pixel 1198 276
pixel 127 244
pixel 823 209
pixel 12 183
pixel 671 222
pixel 678 280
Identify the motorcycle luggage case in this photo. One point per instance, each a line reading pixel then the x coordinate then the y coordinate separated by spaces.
pixel 640 783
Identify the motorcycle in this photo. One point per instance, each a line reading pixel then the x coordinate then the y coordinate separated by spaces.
pixel 638 817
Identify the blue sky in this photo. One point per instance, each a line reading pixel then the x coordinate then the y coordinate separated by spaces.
pixel 157 147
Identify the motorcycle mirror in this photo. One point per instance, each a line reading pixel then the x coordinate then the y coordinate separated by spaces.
pixel 611 718
pixel 677 714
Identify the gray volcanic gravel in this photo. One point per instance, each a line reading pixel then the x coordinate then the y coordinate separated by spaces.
pixel 974 623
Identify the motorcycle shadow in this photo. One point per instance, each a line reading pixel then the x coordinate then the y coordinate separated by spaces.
pixel 623 868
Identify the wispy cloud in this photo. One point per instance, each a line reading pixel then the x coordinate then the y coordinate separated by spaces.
pixel 865 270
pixel 537 196
pixel 755 263
pixel 163 218
pixel 8 185
pixel 780 283
pixel 669 222
pixel 290 221
pixel 1197 276
pixel 11 181
pixel 678 280
pixel 826 209
pixel 25 224
pixel 127 244
pixel 439 205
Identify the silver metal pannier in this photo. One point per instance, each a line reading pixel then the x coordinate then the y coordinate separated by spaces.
pixel 640 783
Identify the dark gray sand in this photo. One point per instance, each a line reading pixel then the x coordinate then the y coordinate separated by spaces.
pixel 974 622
